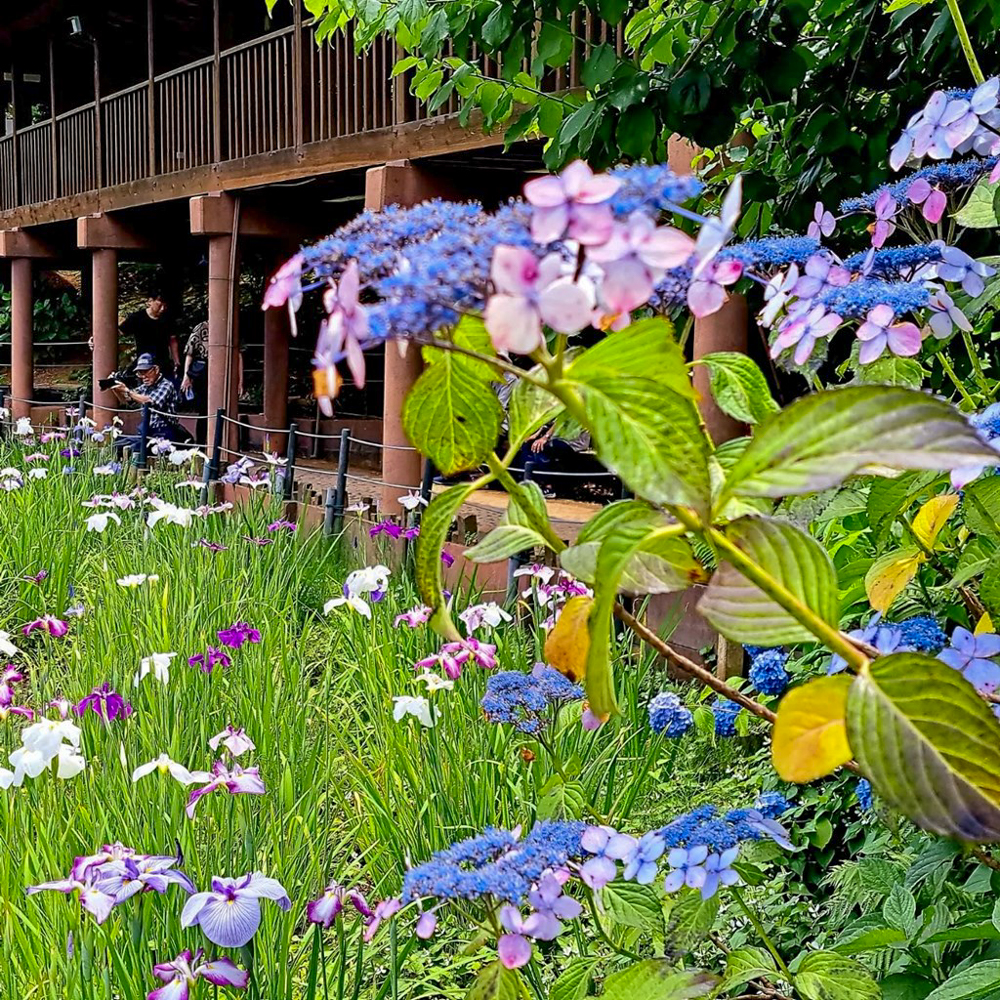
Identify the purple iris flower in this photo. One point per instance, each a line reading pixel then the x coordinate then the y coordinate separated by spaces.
pixel 640 862
pixel 282 525
pixel 328 907
pixel 236 781
pixel 234 740
pixel 453 656
pixel 210 659
pixel 7 709
pixel 48 623
pixel 687 868
pixel 237 634
pixel 106 703
pixel 98 904
pixel 447 558
pixel 10 676
pixel 181 974
pixel 70 452
pixel 719 871
pixel 412 532
pixel 608 847
pixel 38 577
pixel 972 655
pixel 389 528
pixel 261 542
pixel 383 911
pixel 229 914
pixel 123 879
pixel 211 546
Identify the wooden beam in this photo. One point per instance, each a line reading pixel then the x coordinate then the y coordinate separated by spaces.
pixel 212 215
pixel 106 232
pixel 21 243
pixel 411 141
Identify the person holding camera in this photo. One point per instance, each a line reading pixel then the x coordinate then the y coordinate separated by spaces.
pixel 159 392
pixel 152 333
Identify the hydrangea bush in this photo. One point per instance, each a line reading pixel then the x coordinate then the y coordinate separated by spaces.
pixel 625 253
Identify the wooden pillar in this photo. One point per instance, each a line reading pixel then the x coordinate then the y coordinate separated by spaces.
pixel 277 334
pixel 399 183
pixel 22 367
pixel 223 339
pixel 104 310
pixel 725 330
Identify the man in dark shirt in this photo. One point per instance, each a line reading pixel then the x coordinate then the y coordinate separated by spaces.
pixel 153 334
pixel 161 395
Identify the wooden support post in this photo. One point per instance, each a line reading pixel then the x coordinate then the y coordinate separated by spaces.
pixel 329 510
pixel 217 83
pixel 298 74
pixel 223 353
pixel 725 330
pixel 399 183
pixel 98 124
pixel 105 329
pixel 22 366
pixel 151 89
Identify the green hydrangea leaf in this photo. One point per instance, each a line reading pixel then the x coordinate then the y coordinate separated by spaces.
pixel 739 386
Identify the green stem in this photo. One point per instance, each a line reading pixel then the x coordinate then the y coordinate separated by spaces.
pixel 604 935
pixel 759 928
pixel 956 381
pixel 977 367
pixel 518 495
pixel 963 38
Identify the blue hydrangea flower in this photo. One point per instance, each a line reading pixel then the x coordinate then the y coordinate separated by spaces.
pixel 687 868
pixel 667 714
pixel 651 189
pixel 771 805
pixel 771 251
pixel 946 176
pixel 856 300
pixel 921 633
pixel 767 671
pixel 863 790
pixel 893 262
pixel 523 700
pixel 719 871
pixel 725 712
pixel 640 862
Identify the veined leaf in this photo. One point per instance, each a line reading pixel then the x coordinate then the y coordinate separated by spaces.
pixel 888 576
pixel 825 975
pixel 979 210
pixel 690 920
pixel 981 506
pixel 664 566
pixel 494 982
pixel 932 517
pixel 634 905
pixel 978 982
pixel 746 964
pixel 929 743
pixel 504 541
pixel 740 610
pixel 434 526
pixel 739 386
pixel 529 409
pixel 821 439
pixel 810 733
pixel 656 979
pixel 574 980
pixel 895 5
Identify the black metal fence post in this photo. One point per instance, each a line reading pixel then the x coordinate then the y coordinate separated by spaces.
pixel 289 480
pixel 329 510
pixel 343 460
pixel 427 482
pixel 213 464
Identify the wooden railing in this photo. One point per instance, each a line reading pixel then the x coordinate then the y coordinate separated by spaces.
pixel 277 92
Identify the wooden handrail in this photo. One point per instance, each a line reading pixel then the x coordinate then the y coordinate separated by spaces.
pixel 75 111
pixel 142 85
pixel 257 42
pixel 170 74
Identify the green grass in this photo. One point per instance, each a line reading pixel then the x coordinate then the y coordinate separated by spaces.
pixel 351 795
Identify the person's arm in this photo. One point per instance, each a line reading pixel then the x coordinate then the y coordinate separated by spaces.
pixel 175 351
pixel 125 394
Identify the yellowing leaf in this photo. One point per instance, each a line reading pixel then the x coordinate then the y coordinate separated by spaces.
pixel 985 624
pixel 568 642
pixel 932 517
pixel 810 733
pixel 888 576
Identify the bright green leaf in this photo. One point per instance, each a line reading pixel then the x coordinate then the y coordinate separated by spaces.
pixel 905 986
pixel 900 909
pixel 574 981
pixel 494 982
pixel 599 66
pixel 895 5
pixel 655 979
pixel 566 801
pixel 825 975
pixel 868 939
pixel 981 506
pixel 739 386
pixel 929 743
pixel 740 610
pixel 821 439
pixel 743 965
pixel 892 371
pixel 978 982
pixel 979 211
pixel 690 920
pixel 634 905
pixel 504 541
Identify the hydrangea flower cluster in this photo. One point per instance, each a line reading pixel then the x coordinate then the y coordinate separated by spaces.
pixel 669 715
pixel 767 670
pixel 974 656
pixel 863 790
pixel 921 633
pixel 525 700
pixel 725 712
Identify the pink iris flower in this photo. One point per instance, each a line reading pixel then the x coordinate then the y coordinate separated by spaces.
pixel 48 623
pixel 879 332
pixel 573 204
pixel 932 201
pixel 98 904
pixel 635 257
pixel 286 288
pixel 530 292
pixel 823 222
pixel 234 740
pixel 707 293
pixel 184 971
pixel 885 211
pixel 238 781
pixel 10 676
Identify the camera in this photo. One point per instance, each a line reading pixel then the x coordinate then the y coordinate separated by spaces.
pixel 126 378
